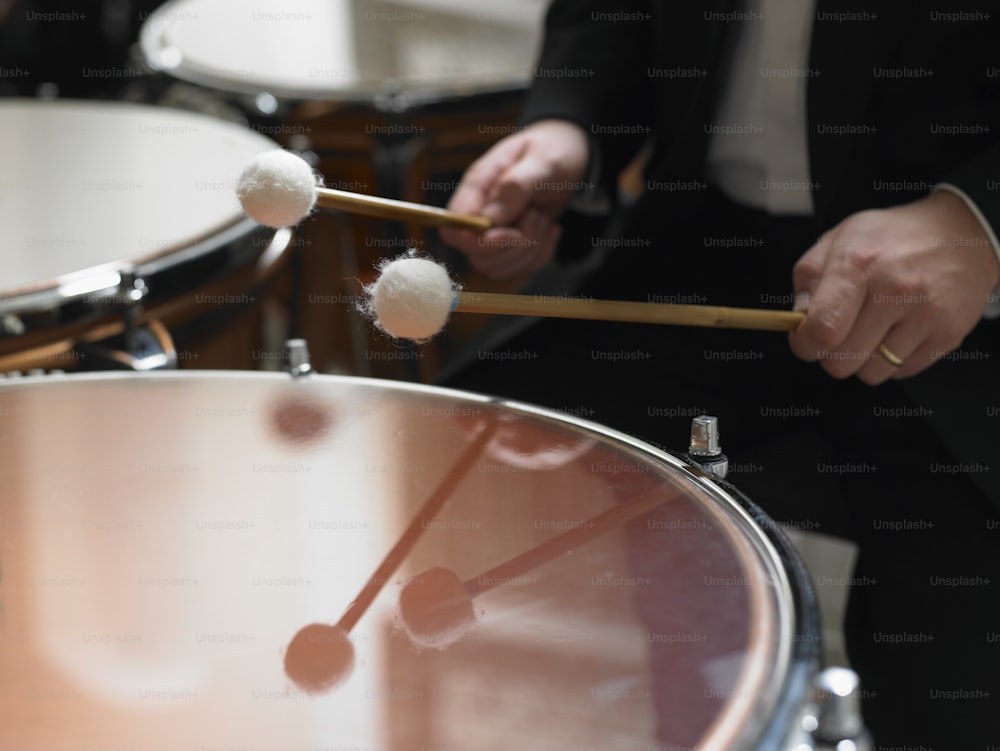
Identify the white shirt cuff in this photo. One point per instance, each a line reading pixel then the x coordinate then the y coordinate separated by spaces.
pixel 992 309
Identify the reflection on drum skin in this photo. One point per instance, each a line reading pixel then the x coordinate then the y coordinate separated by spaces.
pixel 319 656
pixel 435 606
pixel 159 618
pixel 121 219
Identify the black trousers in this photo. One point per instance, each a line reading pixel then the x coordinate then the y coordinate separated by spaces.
pixel 836 457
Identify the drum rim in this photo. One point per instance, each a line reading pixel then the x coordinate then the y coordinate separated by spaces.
pixel 105 279
pixel 396 94
pixel 799 642
pixel 805 656
pixel 97 288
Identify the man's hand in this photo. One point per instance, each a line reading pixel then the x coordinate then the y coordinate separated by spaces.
pixel 522 183
pixel 913 278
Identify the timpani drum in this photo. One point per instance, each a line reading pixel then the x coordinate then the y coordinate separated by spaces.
pixel 396 54
pixel 123 219
pixel 163 536
pixel 391 97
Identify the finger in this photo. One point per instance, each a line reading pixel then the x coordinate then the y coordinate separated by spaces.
pixel 540 236
pixel 483 244
pixel 502 257
pixel 526 182
pixel 809 269
pixel 903 343
pixel 904 350
pixel 526 264
pixel 806 273
pixel 871 327
pixel 534 224
pixel 520 250
pixel 499 268
pixel 523 237
pixel 834 305
pixel 465 240
pixel 481 177
pixel 469 242
pixel 922 357
pixel 484 251
pixel 470 197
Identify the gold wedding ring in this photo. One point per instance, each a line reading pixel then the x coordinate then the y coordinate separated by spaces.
pixel 890 357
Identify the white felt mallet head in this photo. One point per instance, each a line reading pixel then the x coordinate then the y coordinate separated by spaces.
pixel 412 297
pixel 277 188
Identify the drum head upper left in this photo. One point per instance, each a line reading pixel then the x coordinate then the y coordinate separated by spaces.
pixel 92 186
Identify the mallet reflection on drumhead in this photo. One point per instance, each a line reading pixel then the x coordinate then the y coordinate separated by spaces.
pixel 321 656
pixel 413 297
pixel 435 606
pixel 280 189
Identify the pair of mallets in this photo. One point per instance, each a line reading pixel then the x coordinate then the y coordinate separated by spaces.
pixel 413 297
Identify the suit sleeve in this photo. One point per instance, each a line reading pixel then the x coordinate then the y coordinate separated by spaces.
pixel 592 72
pixel 976 184
pixel 979 179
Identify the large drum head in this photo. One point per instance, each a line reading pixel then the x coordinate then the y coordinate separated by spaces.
pixel 91 189
pixel 163 538
pixel 345 50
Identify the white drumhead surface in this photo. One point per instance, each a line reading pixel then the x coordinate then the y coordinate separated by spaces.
pixel 341 49
pixel 90 185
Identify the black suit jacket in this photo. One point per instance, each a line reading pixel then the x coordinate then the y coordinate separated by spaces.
pixel 872 122
pixel 901 96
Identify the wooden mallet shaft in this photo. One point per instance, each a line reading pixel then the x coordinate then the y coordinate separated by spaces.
pixel 403 211
pixel 415 529
pixel 628 311
pixel 588 530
